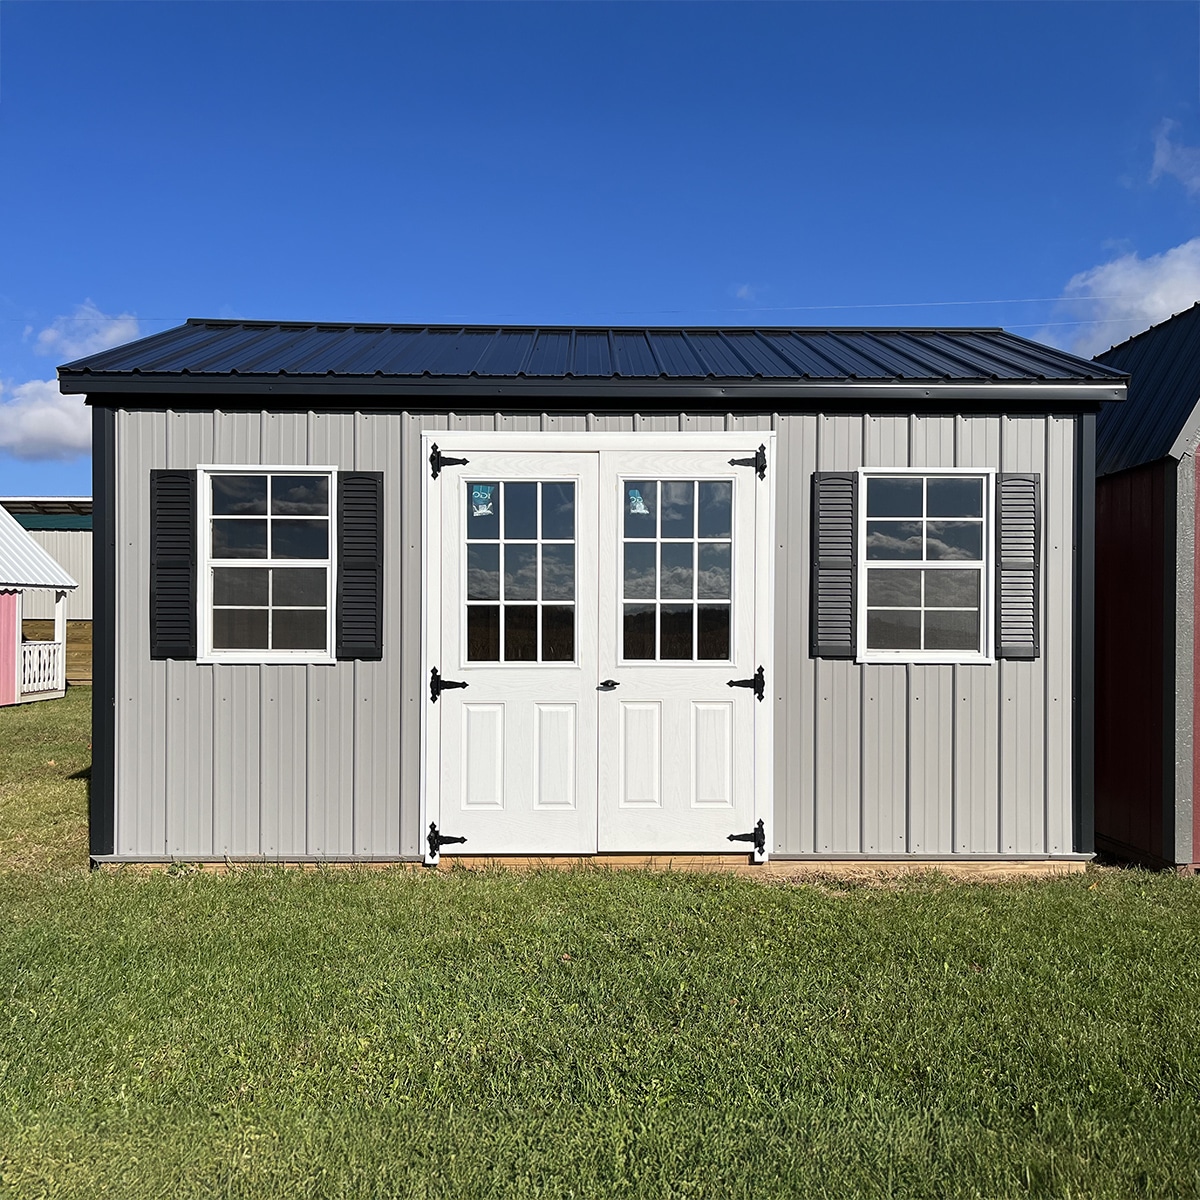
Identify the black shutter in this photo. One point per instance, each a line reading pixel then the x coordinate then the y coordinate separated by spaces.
pixel 172 564
pixel 360 565
pixel 1018 569
pixel 834 538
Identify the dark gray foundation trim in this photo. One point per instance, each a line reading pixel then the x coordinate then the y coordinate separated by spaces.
pixel 102 783
pixel 1083 801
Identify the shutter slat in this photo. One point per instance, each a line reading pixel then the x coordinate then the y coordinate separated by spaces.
pixel 834 534
pixel 1018 566
pixel 360 565
pixel 172 564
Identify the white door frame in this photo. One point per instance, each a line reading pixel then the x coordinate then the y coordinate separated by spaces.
pixel 460 442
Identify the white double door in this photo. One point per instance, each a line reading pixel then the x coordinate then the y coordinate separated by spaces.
pixel 596 604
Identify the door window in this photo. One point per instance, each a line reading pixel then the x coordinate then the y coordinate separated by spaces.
pixel 677 547
pixel 520 570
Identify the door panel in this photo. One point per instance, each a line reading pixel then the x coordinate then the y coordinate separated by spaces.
pixel 678 540
pixel 517 621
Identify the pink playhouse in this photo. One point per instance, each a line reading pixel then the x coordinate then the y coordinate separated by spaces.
pixel 29 670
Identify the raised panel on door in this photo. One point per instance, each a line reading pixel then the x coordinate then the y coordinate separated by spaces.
pixel 517 588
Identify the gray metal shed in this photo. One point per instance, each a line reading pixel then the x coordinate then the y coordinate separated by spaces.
pixel 581 591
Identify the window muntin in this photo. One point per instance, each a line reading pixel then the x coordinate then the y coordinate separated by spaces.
pixel 520 570
pixel 676 570
pixel 923 566
pixel 267 575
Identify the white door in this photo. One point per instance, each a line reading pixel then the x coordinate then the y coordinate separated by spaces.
pixel 677 623
pixel 518 625
pixel 597 604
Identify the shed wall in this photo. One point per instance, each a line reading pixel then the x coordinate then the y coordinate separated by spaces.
pixel 1135 523
pixel 288 761
pixel 72 550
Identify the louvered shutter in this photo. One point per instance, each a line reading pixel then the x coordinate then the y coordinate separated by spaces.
pixel 834 536
pixel 1018 570
pixel 172 564
pixel 360 565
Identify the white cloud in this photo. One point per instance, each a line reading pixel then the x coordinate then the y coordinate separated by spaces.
pixel 38 422
pixel 745 292
pixel 1126 295
pixel 86 331
pixel 1174 159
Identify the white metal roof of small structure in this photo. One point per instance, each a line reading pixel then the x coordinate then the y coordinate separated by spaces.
pixel 24 564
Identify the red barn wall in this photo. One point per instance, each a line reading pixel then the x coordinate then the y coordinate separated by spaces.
pixel 1131 536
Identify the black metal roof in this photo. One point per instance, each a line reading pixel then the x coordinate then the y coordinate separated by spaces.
pixel 279 356
pixel 1160 418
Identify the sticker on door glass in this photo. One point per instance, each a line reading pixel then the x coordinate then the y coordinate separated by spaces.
pixel 637 506
pixel 481 500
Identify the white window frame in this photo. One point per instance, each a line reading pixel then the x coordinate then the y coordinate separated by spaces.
pixel 986 652
pixel 205 562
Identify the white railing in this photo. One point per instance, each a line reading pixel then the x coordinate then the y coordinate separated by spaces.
pixel 42 667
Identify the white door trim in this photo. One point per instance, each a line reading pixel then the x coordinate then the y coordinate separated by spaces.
pixel 459 442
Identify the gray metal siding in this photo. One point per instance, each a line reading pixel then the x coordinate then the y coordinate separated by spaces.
pixel 72 550
pixel 325 760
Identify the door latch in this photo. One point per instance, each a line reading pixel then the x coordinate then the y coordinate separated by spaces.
pixel 437 685
pixel 758 836
pixel 758 462
pixel 608 685
pixel 758 681
pixel 436 840
pixel 438 460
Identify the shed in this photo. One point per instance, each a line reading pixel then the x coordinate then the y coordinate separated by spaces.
pixel 575 592
pixel 1146 596
pixel 29 670
pixel 61 525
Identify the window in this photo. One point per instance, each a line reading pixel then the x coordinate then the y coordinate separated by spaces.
pixel 677 548
pixel 923 566
pixel 266 574
pixel 520 570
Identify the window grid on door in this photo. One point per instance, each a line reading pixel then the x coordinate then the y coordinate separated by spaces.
pixel 676 570
pixel 519 571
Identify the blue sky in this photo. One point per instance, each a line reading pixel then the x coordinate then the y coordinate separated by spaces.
pixel 1035 166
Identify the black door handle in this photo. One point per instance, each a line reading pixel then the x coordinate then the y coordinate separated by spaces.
pixel 607 685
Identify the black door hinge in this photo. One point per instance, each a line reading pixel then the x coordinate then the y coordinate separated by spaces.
pixel 438 460
pixel 758 462
pixel 437 685
pixel 758 681
pixel 435 840
pixel 758 835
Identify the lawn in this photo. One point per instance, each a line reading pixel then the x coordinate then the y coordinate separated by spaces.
pixel 577 1034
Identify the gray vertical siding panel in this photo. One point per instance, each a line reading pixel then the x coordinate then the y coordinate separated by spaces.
pixel 885 691
pixel 283 709
pixel 189 742
pixel 141 684
pixel 612 422
pixel 377 685
pixel 837 728
pixel 795 669
pixel 1022 685
pixel 237 737
pixel 931 693
pixel 237 742
pixel 72 550
pixel 977 695
pixel 331 707
pixel 283 690
pixel 1058 633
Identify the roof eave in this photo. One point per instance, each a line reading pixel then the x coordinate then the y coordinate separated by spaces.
pixel 1082 392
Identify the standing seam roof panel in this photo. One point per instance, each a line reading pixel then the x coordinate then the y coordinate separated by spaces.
pixel 676 356
pixel 635 355
pixel 25 564
pixel 550 355
pixel 506 354
pixel 592 357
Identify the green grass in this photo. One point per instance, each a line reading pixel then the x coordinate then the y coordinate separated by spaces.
pixel 591 1034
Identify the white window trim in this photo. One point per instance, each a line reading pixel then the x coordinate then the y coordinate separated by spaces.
pixel 987 600
pixel 204 622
